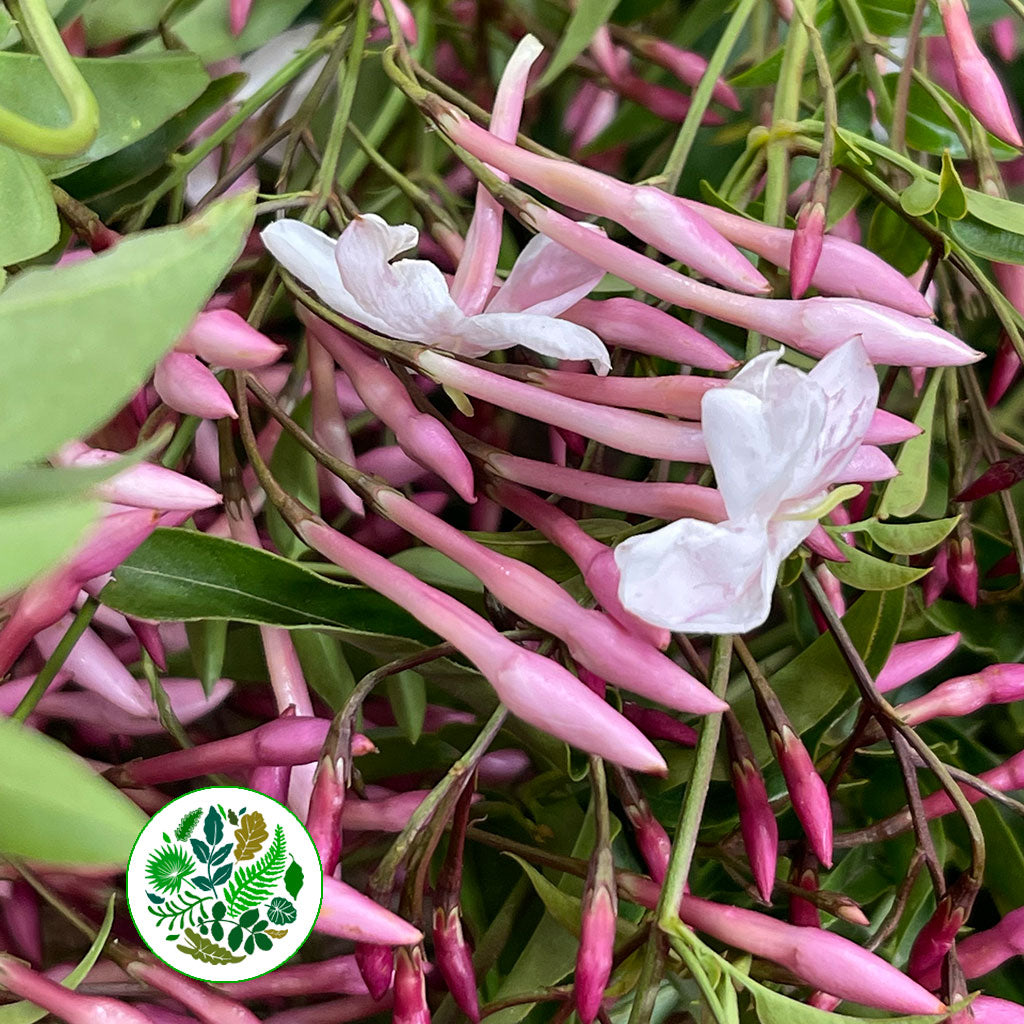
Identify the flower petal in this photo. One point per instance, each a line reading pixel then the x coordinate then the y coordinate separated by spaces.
pixel 561 339
pixel 547 278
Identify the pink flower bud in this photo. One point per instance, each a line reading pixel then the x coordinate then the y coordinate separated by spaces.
pixel 909 660
pixel 1006 367
pixel 980 88
pixel 803 912
pixel 376 965
pixel 410 988
pixel 806 249
pixel 347 914
pixel 808 793
pixel 188 386
pixel 935 939
pixel 984 951
pixel 204 1002
pixel 995 684
pixel 326 802
pixel 338 974
pixel 223 338
pixel 1005 777
pixel 688 67
pixel 963 569
pixel 1004 38
pixel 455 962
pixel 934 584
pixel 999 476
pixel 991 1010
pixel 381 813
pixel 657 725
pixel 597 942
pixel 148 635
pixel 238 15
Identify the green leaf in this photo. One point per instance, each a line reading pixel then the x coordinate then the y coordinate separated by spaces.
pixel 952 197
pixel 896 241
pixel 207 640
pixel 565 909
pixel 324 665
pixel 213 827
pixel 904 538
pixel 135 94
pixel 281 911
pixel 920 197
pixel 892 17
pixel 186 575
pixel 254 883
pixel 55 808
pixel 865 572
pixel 407 694
pixel 1003 245
pixel 586 19
pixel 24 1012
pixel 293 879
pixel 905 494
pixel 28 214
pixel 994 210
pixel 57 326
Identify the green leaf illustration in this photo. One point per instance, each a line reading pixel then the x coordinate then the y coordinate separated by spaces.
pixel 168 867
pixel 262 941
pixel 187 825
pixel 207 950
pixel 251 836
pixel 281 911
pixel 213 826
pixel 293 879
pixel 253 884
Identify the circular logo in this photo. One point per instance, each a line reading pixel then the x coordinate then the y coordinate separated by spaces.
pixel 224 884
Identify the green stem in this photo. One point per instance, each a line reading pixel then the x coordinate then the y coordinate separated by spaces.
pixel 55 661
pixel 84 124
pixel 865 44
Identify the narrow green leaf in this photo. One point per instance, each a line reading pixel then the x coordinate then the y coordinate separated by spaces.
pixel 55 808
pixel 207 642
pixel 407 694
pixel 58 326
pixel 586 19
pixel 905 494
pixel 324 665
pixel 990 242
pixel 865 572
pixel 28 214
pixel 565 909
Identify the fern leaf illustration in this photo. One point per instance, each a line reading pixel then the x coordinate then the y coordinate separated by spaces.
pixel 253 884
pixel 187 824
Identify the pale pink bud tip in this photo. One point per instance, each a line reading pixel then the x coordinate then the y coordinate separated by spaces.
pixel 348 914
pixel 222 337
pixel 594 960
pixel 238 15
pixel 189 387
pixel 806 249
pixel 454 961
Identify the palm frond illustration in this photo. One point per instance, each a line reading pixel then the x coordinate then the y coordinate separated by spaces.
pixel 168 867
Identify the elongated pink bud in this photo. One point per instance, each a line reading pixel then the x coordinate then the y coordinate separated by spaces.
pixel 323 822
pixel 995 684
pixel 1004 38
pixel 992 1010
pixel 1005 777
pixel 238 15
pixel 597 937
pixel 62 1002
pixel 376 966
pixel 421 436
pixel 454 961
pixel 1006 366
pixel 963 569
pixel 909 660
pixel 657 725
pixel 533 687
pixel 347 914
pixel 934 584
pixel 148 635
pixel 803 912
pixel 808 240
pixel 223 338
pixel 384 814
pixel 338 974
pixel 188 386
pixel 984 951
pixel 980 88
pixel 642 328
pixel 271 780
pixel 688 67
pixel 410 988
pixel 204 1002
pixel 934 940
pixel 649 213
pixel 808 793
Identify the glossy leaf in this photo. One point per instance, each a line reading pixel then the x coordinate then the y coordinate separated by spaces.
pixel 865 572
pixel 407 695
pixel 904 538
pixel 28 214
pixel 584 22
pixel 206 643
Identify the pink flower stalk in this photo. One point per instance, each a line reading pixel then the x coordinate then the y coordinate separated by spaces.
pixel 64 1003
pixel 1005 778
pixel 271 780
pixel 289 740
pixel 963 569
pixel 815 326
pixel 647 212
pixel 808 793
pixel 843 268
pixel 909 660
pixel 1006 366
pixel 599 914
pixel 238 15
pixel 980 88
pixel 935 939
pixel 376 963
pixel 642 328
pixel 594 560
pixel 594 640
pixel 657 725
pixel 347 914
pixel 223 338
pixel 329 427
pixel 688 67
pixel 381 814
pixel 805 252
pixel 143 485
pixel 995 684
pixel 984 951
pixel 803 912
pixel 202 1000
pixel 474 276
pixel 758 826
pixel 420 435
pixel 410 987
pixel 189 387
pixel 339 975
pixel 533 687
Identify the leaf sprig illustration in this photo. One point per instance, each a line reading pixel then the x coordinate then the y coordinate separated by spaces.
pixel 188 824
pixel 177 911
pixel 251 835
pixel 207 950
pixel 253 884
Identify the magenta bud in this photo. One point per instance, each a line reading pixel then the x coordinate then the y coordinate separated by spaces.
pixel 223 338
pixel 325 809
pixel 963 569
pixel 998 477
pixel 995 684
pixel 992 1010
pixel 597 943
pixel 806 249
pixel 376 965
pixel 758 826
pixel 410 988
pixel 455 962
pixel 934 584
pixel 688 67
pixel 935 939
pixel 803 912
pixel 651 837
pixel 1005 370
pixel 984 951
pixel 1004 38
pixel 348 914
pixel 148 635
pixel 808 793
pixel 658 725
pixel 189 387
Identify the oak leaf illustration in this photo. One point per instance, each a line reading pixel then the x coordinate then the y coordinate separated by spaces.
pixel 251 835
pixel 208 951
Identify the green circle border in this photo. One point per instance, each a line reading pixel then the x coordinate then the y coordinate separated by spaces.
pixel 195 977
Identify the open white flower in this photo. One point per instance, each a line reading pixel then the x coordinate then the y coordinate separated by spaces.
pixel 777 438
pixel 361 278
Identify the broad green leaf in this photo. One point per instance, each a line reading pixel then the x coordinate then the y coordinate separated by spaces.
pixel 105 321
pixel 896 241
pixel 987 240
pixel 407 695
pixel 920 197
pixel 952 197
pixel 565 909
pixel 760 75
pixel 865 572
pixel 135 95
pixel 206 641
pixel 25 1012
pixel 183 575
pixel 904 538
pixel 324 665
pixel 584 22
pixel 55 808
pixel 1001 213
pixel 905 494
pixel 993 631
pixel 892 17
pixel 28 214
